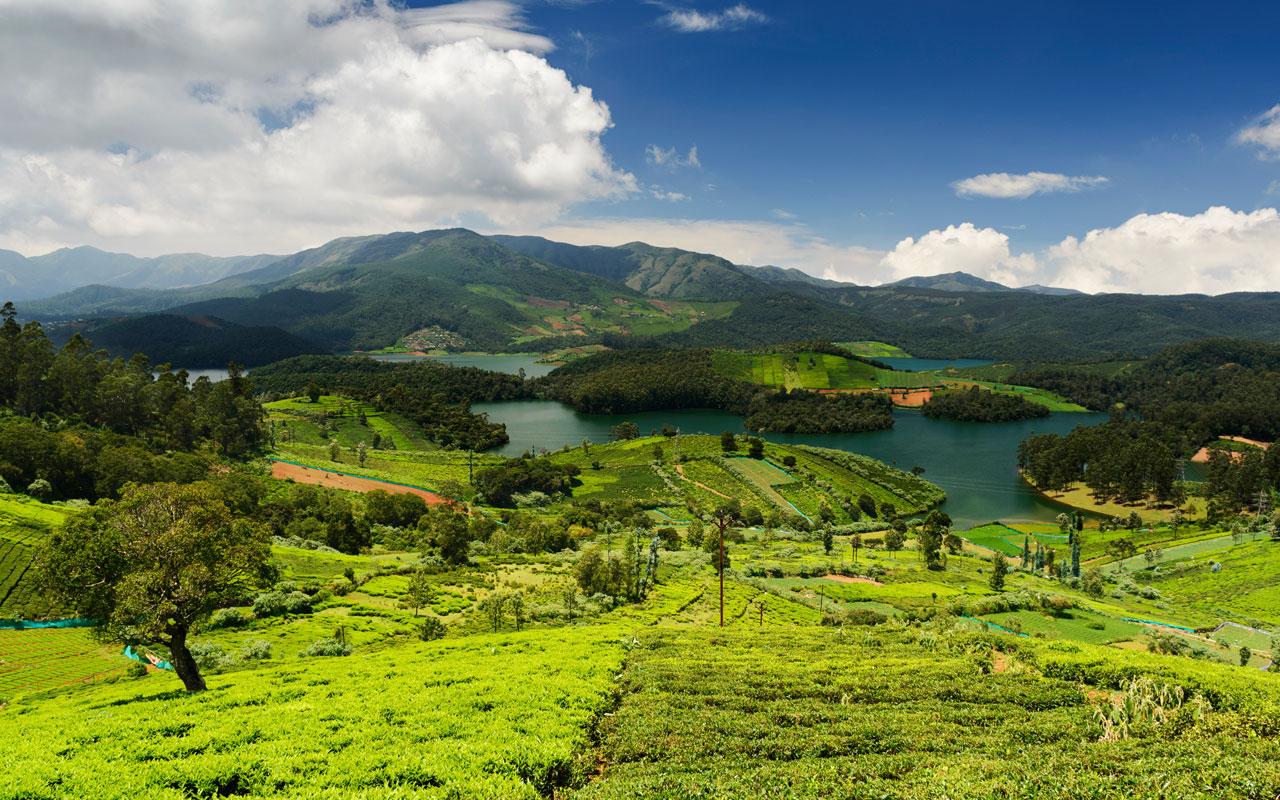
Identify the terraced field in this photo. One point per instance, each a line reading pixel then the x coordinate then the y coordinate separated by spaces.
pixel 32 660
pixel 796 370
pixel 24 524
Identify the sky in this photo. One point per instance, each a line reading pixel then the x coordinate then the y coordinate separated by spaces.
pixel 1100 146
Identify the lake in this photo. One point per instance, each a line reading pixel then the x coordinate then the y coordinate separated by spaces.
pixel 976 463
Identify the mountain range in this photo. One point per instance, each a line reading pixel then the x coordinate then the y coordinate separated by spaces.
pixel 457 289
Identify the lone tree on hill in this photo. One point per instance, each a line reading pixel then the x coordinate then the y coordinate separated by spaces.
pixel 313 392
pixel 153 564
pixel 999 567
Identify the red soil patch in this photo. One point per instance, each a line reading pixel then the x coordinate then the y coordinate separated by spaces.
pixel 576 318
pixel 667 308
pixel 558 325
pixel 853 579
pixel 910 399
pixel 335 480
pixel 621 302
pixel 1202 456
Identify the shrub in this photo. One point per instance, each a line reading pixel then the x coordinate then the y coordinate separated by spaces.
pixel 269 604
pixel 210 656
pixel 255 650
pixel 431 628
pixel 326 647
pixel 227 618
pixel 135 669
pixel 40 489
pixel 297 603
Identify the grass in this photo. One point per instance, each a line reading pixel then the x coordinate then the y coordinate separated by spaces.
pixel 1044 397
pixel 1244 588
pixel 485 717
pixel 795 370
pixel 24 524
pixel 875 350
pixel 38 659
pixel 892 379
pixel 1077 626
pixel 898 713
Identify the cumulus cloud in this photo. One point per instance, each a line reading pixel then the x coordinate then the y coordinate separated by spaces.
pixel 959 248
pixel 1265 133
pixel 1007 185
pixel 155 127
pixel 732 18
pixel 740 241
pixel 668 157
pixel 1217 251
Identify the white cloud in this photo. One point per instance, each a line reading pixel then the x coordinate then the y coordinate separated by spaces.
pixel 1217 251
pixel 667 156
pixel 959 248
pixel 1274 187
pixel 740 241
pixel 1265 133
pixel 1007 185
pixel 782 213
pixel 153 127
pixel 732 18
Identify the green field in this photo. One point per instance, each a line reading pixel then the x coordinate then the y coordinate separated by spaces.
pixel 24 524
pixel 1043 397
pixel 33 660
pixel 875 350
pixel 484 717
pixel 892 379
pixel 902 713
pixel 795 370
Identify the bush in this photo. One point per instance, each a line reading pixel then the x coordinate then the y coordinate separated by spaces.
pixel 430 629
pixel 40 489
pixel 255 650
pixel 227 618
pixel 326 647
pixel 297 603
pixel 135 669
pixel 268 604
pixel 210 656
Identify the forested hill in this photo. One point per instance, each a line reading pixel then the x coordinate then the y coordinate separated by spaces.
pixel 505 293
pixel 188 342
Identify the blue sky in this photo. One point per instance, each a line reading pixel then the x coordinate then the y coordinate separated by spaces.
pixel 1106 147
pixel 858 117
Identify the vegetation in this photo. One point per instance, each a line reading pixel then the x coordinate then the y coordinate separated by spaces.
pixel 979 405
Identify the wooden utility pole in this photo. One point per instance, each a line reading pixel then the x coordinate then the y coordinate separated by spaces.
pixel 721 566
pixel 723 518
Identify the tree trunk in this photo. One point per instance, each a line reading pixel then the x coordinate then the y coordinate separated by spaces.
pixel 183 664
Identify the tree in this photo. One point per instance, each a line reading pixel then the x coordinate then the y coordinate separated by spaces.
pixel 624 431
pixel 828 539
pixel 420 592
pixel 756 447
pixel 362 453
pixel 999 568
pixel 893 539
pixel 727 442
pixel 724 516
pixel 855 544
pixel 452 535
pixel 152 565
pixel 334 451
pixel 516 601
pixel 313 392
pixel 1245 655
pixel 1092 582
pixel 494 607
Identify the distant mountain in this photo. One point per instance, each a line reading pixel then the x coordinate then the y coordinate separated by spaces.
pixel 63 270
pixel 951 282
pixel 187 341
pixel 772 274
pixel 1056 291
pixel 652 271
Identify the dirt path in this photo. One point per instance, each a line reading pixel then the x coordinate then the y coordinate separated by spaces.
pixel 853 579
pixel 680 472
pixel 352 483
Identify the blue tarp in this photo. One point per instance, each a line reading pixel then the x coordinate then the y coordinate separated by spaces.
pixel 32 624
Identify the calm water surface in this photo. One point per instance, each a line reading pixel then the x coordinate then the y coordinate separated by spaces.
pixel 976 463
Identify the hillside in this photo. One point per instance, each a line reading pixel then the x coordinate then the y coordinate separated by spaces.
pixel 189 342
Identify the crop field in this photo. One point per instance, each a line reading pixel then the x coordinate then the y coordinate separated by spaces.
pixel 1244 587
pixel 897 713
pixel 1043 397
pixel 32 660
pixel 24 524
pixel 298 421
pixel 501 716
pixel 795 370
pixel 875 350
pixel 1078 626
pixel 892 379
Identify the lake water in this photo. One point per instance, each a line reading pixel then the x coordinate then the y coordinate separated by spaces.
pixel 976 463
pixel 926 364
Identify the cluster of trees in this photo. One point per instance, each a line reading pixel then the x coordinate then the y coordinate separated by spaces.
pixel 629 381
pixel 436 396
pixel 498 485
pixel 1125 460
pixel 1232 483
pixel 980 405
pixel 803 411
